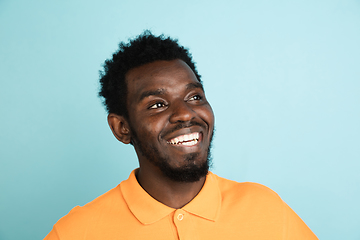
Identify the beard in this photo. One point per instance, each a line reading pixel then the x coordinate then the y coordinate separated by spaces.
pixel 190 172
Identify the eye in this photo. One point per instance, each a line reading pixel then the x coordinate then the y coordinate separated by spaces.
pixel 157 105
pixel 195 98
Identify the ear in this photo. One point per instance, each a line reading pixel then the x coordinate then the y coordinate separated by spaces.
pixel 119 127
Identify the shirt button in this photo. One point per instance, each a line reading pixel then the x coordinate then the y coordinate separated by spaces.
pixel 180 217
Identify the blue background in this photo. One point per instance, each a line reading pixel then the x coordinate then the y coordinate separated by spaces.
pixel 283 78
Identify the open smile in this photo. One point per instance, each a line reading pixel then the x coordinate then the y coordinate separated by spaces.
pixel 185 140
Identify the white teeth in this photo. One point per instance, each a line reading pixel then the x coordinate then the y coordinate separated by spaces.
pixel 193 142
pixel 187 139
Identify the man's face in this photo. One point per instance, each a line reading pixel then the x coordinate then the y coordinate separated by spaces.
pixel 171 122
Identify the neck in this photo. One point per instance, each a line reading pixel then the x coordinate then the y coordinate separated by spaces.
pixel 171 193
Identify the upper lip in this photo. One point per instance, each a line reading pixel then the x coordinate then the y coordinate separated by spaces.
pixel 183 129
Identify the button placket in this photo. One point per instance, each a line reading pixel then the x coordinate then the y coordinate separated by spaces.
pixel 184 225
pixel 180 223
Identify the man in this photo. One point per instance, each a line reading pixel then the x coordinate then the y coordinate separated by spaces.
pixel 156 102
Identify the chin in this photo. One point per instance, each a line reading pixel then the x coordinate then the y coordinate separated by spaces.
pixel 192 171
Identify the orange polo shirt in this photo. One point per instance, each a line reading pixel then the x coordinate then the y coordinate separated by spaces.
pixel 223 209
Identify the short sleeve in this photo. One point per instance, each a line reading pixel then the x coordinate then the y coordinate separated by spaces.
pixel 295 228
pixel 53 235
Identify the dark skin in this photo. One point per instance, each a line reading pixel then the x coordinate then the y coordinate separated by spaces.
pixel 161 96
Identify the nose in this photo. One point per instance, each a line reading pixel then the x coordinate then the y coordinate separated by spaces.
pixel 182 112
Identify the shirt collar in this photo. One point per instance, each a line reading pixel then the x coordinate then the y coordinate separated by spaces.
pixel 207 203
pixel 148 210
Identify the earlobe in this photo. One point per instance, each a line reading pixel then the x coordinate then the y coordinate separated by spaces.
pixel 119 127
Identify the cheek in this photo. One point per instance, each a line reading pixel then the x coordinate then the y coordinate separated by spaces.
pixel 207 115
pixel 158 122
pixel 151 130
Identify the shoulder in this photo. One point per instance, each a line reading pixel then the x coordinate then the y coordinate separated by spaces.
pixel 250 200
pixel 247 193
pixel 230 187
pixel 261 208
pixel 83 216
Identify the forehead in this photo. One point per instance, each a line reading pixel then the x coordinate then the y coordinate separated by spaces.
pixel 159 74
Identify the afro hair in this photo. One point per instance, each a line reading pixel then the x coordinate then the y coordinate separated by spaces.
pixel 145 48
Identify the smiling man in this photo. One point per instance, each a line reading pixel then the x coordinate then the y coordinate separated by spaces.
pixel 156 102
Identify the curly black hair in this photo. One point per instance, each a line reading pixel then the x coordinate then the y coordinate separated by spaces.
pixel 145 48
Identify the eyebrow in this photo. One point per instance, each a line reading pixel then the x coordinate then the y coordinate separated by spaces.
pixel 194 85
pixel 162 91
pixel 156 92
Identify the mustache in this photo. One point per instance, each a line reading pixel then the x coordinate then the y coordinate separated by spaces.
pixel 181 126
